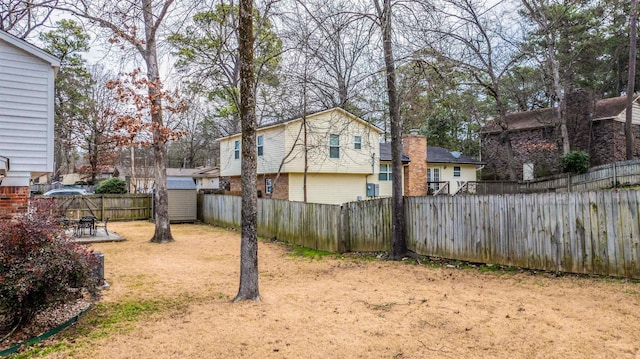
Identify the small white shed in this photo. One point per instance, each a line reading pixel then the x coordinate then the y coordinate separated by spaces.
pixel 183 199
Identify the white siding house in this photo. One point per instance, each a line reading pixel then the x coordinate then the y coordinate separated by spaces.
pixel 26 111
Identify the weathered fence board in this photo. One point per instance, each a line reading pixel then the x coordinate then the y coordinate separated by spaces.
pixel 116 207
pixel 580 232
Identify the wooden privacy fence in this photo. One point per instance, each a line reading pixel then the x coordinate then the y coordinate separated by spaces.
pixel 306 224
pixel 579 232
pixel 116 207
pixel 604 176
pixel 587 232
pixel 616 174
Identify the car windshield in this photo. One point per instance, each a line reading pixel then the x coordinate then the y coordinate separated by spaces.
pixel 66 192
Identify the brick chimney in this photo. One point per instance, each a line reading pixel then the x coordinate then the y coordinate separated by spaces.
pixel 415 174
pixel 579 110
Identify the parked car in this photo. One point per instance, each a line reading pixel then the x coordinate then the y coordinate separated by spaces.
pixel 66 192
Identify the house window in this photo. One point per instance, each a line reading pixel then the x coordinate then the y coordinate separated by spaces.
pixel 385 172
pixel 334 146
pixel 268 185
pixel 261 146
pixel 456 171
pixel 236 149
pixel 357 142
pixel 433 178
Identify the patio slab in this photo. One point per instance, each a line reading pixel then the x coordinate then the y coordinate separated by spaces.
pixel 101 236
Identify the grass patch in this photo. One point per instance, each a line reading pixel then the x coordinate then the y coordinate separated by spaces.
pixel 110 317
pixel 39 350
pixel 305 252
pixel 103 320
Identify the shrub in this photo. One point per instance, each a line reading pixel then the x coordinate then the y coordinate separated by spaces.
pixel 575 162
pixel 112 185
pixel 40 266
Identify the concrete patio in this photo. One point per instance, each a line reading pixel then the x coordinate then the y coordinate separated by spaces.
pixel 101 236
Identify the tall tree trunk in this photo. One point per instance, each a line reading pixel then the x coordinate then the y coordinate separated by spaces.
pixel 162 232
pixel 539 12
pixel 633 37
pixel 249 244
pixel 506 133
pixel 304 128
pixel 398 243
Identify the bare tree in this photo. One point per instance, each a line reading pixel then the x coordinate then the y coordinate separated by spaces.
pixel 473 38
pixel 338 40
pixel 633 37
pixel 538 11
pixel 398 243
pixel 124 20
pixel 21 17
pixel 249 243
pixel 96 130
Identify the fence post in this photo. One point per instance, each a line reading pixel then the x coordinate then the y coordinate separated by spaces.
pixel 343 229
pixel 615 176
pixel 102 207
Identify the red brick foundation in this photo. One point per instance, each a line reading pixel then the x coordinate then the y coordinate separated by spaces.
pixel 13 201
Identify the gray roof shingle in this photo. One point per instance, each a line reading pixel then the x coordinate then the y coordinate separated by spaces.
pixel 442 155
pixel 385 153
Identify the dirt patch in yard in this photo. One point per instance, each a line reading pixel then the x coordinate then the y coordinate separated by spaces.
pixel 173 301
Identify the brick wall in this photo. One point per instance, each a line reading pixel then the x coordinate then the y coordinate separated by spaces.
pixel 609 144
pixel 543 147
pixel 13 201
pixel 281 188
pixel 415 175
pixel 540 146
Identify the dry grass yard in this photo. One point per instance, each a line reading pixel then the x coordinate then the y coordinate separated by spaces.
pixel 174 301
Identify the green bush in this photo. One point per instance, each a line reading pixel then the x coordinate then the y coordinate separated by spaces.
pixel 40 267
pixel 575 162
pixel 111 186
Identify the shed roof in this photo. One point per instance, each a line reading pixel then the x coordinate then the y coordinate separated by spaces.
pixel 181 183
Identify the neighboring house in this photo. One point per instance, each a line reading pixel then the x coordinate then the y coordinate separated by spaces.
pixel 342 150
pixel 208 179
pixel 597 129
pixel 431 166
pixel 26 119
pixel 205 178
pixel 449 168
pixel 346 161
pixel 141 182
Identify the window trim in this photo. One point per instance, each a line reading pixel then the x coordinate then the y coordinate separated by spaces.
pixel 268 185
pixel 385 175
pixel 236 149
pixel 457 169
pixel 260 145
pixel 357 142
pixel 333 146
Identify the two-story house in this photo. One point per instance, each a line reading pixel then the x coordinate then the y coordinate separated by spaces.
pixel 340 151
pixel 26 119
pixel 345 160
